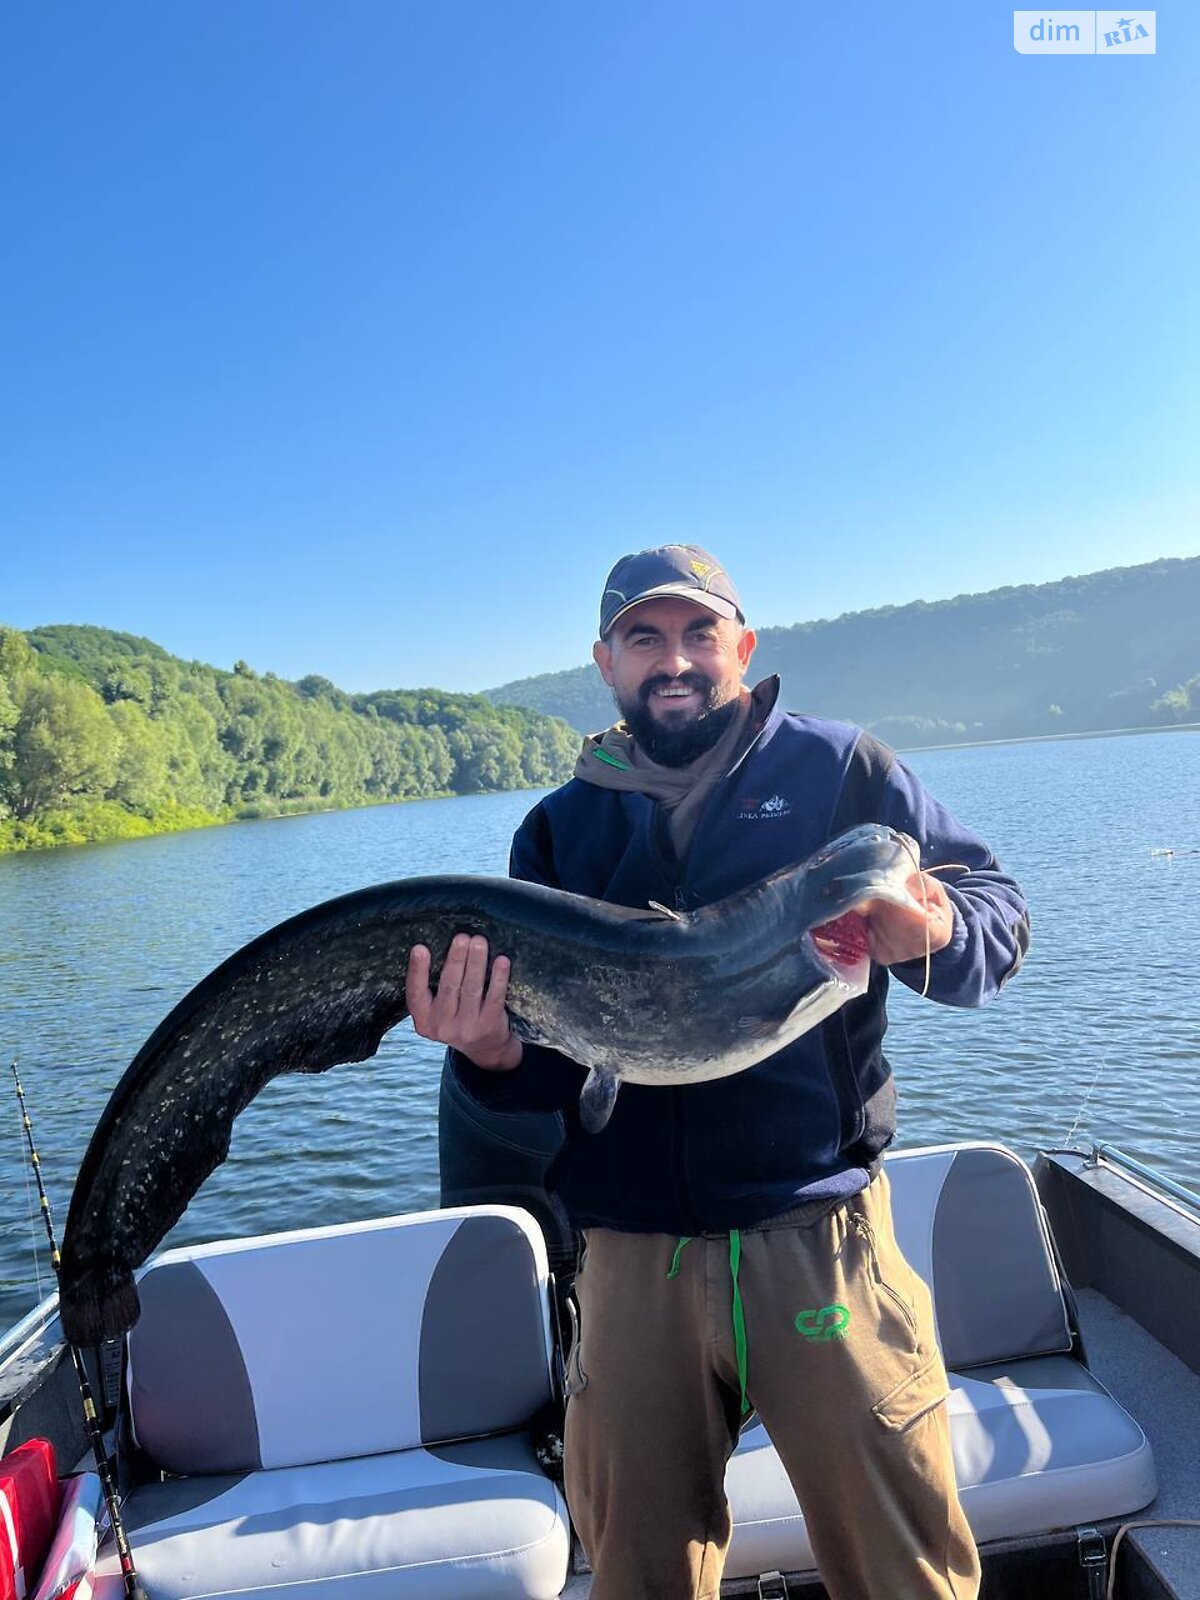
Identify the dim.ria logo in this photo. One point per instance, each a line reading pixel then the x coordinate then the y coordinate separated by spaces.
pixel 1084 33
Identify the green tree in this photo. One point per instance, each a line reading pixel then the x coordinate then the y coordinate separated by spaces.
pixel 9 717
pixel 488 758
pixel 17 656
pixel 64 745
pixel 143 771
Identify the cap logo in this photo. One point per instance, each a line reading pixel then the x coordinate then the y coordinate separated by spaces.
pixel 706 572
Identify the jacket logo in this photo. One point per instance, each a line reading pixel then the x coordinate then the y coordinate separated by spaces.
pixel 751 810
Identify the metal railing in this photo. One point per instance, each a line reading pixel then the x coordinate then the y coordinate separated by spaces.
pixel 1150 1176
pixel 33 1323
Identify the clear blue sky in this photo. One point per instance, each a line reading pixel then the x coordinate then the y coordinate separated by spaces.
pixel 360 339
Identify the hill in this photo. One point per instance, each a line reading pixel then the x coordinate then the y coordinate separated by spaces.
pixel 1113 649
pixel 106 735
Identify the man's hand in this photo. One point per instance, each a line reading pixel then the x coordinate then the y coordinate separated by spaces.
pixel 460 1014
pixel 904 933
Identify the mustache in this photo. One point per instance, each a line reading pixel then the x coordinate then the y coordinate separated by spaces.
pixel 690 680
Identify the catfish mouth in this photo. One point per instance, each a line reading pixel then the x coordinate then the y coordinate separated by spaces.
pixel 843 946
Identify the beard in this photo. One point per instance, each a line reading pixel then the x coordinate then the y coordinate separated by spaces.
pixel 679 737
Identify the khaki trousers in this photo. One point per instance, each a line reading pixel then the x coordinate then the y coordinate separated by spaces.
pixel 839 1359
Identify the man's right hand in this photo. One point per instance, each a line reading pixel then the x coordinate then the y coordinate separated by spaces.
pixel 459 1012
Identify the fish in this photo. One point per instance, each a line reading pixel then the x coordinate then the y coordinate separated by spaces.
pixel 645 996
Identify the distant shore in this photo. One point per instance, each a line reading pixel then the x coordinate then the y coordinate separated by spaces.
pixel 133 827
pixel 138 827
pixel 1049 738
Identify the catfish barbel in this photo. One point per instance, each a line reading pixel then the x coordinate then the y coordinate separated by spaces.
pixel 653 996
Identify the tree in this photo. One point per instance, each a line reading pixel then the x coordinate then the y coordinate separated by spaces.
pixel 143 770
pixel 9 717
pixel 126 683
pixel 488 758
pixel 17 656
pixel 64 745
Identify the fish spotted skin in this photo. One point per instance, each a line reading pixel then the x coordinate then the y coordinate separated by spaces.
pixel 646 996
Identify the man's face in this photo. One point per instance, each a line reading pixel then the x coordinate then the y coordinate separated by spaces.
pixel 675 670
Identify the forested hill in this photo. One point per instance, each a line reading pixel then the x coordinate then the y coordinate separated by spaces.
pixel 1114 649
pixel 104 735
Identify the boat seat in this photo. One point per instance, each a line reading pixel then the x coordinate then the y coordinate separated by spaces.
pixel 1038 1442
pixel 345 1411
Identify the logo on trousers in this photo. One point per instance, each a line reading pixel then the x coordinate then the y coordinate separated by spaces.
pixel 830 1322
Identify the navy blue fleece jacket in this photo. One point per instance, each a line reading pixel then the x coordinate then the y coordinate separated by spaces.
pixel 812 1120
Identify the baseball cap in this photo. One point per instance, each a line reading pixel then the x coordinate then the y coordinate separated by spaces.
pixel 682 570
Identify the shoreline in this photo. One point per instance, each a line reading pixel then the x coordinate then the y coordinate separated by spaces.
pixel 284 816
pixel 1050 738
pixel 7 851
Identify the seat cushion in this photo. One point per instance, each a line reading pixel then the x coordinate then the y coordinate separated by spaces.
pixel 378 1350
pixel 1042 1444
pixel 1038 1444
pixel 472 1521
pixel 970 1222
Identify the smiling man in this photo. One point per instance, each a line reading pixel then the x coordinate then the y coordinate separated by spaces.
pixel 737 1246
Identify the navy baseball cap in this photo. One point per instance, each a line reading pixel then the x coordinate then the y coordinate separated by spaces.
pixel 680 570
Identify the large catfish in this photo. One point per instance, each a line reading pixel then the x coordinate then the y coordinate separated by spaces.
pixel 653 996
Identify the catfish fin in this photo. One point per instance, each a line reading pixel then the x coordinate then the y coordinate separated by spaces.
pixel 597 1098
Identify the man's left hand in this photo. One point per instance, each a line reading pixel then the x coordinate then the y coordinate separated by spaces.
pixel 904 933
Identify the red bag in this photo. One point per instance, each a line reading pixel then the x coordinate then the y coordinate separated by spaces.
pixel 70 1569
pixel 29 1504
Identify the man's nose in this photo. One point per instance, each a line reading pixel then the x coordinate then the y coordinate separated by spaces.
pixel 675 660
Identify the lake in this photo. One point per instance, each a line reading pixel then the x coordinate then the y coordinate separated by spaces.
pixel 1095 1040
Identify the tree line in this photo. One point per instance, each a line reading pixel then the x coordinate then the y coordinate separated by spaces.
pixel 106 735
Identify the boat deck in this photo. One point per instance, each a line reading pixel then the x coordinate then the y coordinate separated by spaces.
pixel 1163 1394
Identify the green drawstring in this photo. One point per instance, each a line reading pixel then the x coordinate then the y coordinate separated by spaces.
pixel 739 1313
pixel 674 1272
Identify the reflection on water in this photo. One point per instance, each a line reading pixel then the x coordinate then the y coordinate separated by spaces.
pixel 1096 1039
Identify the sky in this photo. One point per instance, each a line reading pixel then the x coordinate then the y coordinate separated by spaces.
pixel 361 339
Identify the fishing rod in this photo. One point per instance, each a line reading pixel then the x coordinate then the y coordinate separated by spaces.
pixel 133 1584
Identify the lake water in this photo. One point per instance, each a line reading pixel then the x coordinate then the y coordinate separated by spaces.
pixel 1097 1039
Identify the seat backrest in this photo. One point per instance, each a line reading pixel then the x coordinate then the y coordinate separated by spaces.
pixel 970 1221
pixel 337 1342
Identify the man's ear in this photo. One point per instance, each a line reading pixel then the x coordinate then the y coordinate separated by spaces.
pixel 602 656
pixel 745 646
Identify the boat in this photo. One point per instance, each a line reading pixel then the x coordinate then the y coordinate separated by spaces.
pixel 374 1408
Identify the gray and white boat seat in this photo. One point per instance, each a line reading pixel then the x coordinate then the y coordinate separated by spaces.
pixel 343 1412
pixel 346 1410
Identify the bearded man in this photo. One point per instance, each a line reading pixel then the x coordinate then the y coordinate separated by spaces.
pixel 711 1215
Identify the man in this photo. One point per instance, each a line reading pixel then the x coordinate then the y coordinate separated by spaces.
pixel 722 1220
